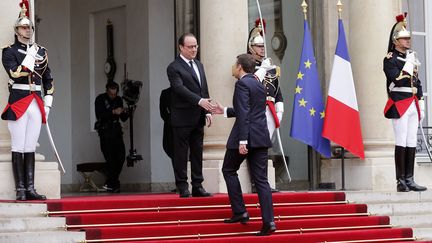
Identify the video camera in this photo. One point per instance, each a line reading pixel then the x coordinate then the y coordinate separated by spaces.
pixel 131 91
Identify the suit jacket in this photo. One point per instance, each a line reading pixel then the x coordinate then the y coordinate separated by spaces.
pixel 186 91
pixel 249 107
pixel 165 113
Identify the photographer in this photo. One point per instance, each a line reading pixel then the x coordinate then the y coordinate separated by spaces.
pixel 109 111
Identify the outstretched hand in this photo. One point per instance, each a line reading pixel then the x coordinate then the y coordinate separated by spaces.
pixel 219 109
pixel 206 104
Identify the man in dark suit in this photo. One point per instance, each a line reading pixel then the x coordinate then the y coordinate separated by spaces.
pixel 165 113
pixel 249 138
pixel 190 109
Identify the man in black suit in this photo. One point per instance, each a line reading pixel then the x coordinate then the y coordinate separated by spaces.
pixel 190 109
pixel 249 138
pixel 165 113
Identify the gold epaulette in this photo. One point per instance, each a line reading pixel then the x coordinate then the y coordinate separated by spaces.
pixel 278 72
pixel 389 55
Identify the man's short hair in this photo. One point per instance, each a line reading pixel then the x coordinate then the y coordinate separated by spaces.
pixel 112 85
pixel 183 37
pixel 247 62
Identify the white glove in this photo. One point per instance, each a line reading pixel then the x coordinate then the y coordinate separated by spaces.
pixel 266 65
pixel 47 110
pixel 48 99
pixel 279 116
pixel 30 58
pixel 422 109
pixel 279 107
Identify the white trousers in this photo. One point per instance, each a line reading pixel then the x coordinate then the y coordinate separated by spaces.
pixel 25 131
pixel 270 122
pixel 405 128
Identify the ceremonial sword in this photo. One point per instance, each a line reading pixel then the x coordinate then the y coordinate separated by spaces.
pixel 50 138
pixel 277 129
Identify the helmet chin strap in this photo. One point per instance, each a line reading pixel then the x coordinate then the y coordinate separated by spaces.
pixel 255 53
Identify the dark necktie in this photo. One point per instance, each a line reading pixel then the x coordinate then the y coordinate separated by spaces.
pixel 193 70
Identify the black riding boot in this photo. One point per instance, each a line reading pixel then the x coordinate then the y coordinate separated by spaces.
pixel 18 172
pixel 31 194
pixel 400 169
pixel 409 170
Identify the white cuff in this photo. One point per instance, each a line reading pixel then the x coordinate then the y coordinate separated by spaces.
pixel 243 142
pixel 225 112
pixel 48 100
pixel 279 107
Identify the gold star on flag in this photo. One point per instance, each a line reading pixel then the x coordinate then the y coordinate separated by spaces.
pixel 312 111
pixel 298 90
pixel 307 64
pixel 302 102
pixel 322 114
pixel 300 75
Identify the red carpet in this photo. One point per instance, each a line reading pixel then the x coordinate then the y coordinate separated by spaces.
pixel 300 217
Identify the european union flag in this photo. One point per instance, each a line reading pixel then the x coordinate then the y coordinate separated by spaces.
pixel 308 107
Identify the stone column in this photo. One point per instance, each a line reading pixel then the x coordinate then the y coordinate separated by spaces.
pixel 224 32
pixel 368 29
pixel 47 178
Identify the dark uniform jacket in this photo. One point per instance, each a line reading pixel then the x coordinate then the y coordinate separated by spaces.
pixel 249 109
pixel 186 92
pixel 399 101
pixel 108 123
pixel 19 100
pixel 271 84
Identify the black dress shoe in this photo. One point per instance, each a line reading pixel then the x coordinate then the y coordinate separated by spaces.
pixel 21 196
pixel 267 229
pixel 184 193
pixel 200 192
pixel 273 190
pixel 33 195
pixel 242 218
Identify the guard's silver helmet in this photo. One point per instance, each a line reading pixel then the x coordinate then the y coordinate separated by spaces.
pixel 400 30
pixel 23 20
pixel 255 35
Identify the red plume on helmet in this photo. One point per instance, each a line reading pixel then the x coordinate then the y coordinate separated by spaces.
pixel 26 4
pixel 258 22
pixel 401 17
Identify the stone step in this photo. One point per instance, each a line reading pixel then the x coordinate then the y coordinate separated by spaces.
pixel 400 209
pixel 375 197
pixel 43 236
pixel 423 233
pixel 412 221
pixel 8 225
pixel 8 210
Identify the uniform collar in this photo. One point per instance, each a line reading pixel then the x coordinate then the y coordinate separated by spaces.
pixel 399 53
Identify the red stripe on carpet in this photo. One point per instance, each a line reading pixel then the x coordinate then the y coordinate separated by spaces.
pixel 104 218
pixel 165 200
pixel 210 228
pixel 302 238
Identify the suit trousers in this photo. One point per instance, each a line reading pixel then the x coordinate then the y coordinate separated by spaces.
pixel 258 162
pixel 188 141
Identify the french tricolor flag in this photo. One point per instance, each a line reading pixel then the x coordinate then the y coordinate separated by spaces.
pixel 342 119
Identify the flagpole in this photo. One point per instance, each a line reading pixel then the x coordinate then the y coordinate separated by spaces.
pixel 339 9
pixel 304 6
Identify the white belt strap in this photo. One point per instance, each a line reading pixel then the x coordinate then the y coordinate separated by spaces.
pixel 403 89
pixel 31 87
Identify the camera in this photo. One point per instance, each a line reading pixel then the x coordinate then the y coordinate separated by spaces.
pixel 131 91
